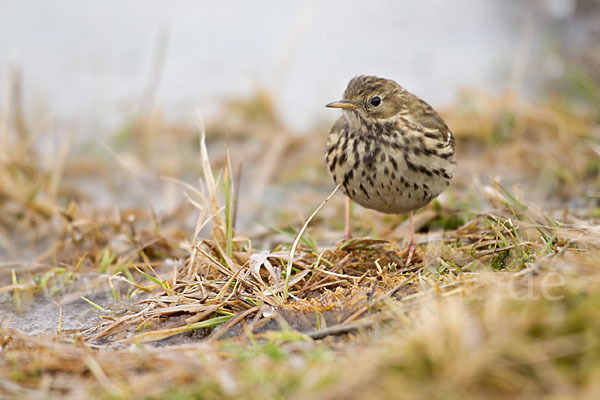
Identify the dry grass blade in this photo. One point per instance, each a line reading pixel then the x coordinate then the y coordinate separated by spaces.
pixel 219 228
pixel 297 240
pixel 153 336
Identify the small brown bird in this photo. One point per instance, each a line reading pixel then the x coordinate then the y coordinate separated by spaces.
pixel 390 151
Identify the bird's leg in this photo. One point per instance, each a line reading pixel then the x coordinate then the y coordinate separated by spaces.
pixel 411 244
pixel 347 233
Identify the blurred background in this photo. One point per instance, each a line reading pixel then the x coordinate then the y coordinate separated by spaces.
pixel 91 62
pixel 100 99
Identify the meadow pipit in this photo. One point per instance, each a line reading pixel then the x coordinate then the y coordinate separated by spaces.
pixel 390 151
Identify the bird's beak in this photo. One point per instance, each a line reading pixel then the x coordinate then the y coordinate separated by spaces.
pixel 342 104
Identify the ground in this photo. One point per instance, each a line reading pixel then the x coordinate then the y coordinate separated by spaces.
pixel 167 263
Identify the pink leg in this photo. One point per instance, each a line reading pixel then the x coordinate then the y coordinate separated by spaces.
pixel 348 235
pixel 411 245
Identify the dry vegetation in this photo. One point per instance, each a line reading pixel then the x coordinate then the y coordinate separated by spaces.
pixel 189 299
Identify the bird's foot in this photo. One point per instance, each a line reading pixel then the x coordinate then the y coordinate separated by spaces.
pixel 410 251
pixel 347 235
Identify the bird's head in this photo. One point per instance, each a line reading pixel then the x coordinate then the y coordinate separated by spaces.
pixel 372 98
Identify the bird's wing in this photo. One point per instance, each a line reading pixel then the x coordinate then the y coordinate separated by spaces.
pixel 424 115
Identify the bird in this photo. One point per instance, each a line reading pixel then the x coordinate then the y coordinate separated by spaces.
pixel 390 151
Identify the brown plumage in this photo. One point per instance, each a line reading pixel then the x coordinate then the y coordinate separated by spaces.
pixel 390 151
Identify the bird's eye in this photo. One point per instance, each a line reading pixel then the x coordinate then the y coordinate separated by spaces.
pixel 375 101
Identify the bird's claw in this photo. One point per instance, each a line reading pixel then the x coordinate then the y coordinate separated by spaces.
pixel 410 251
pixel 348 235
